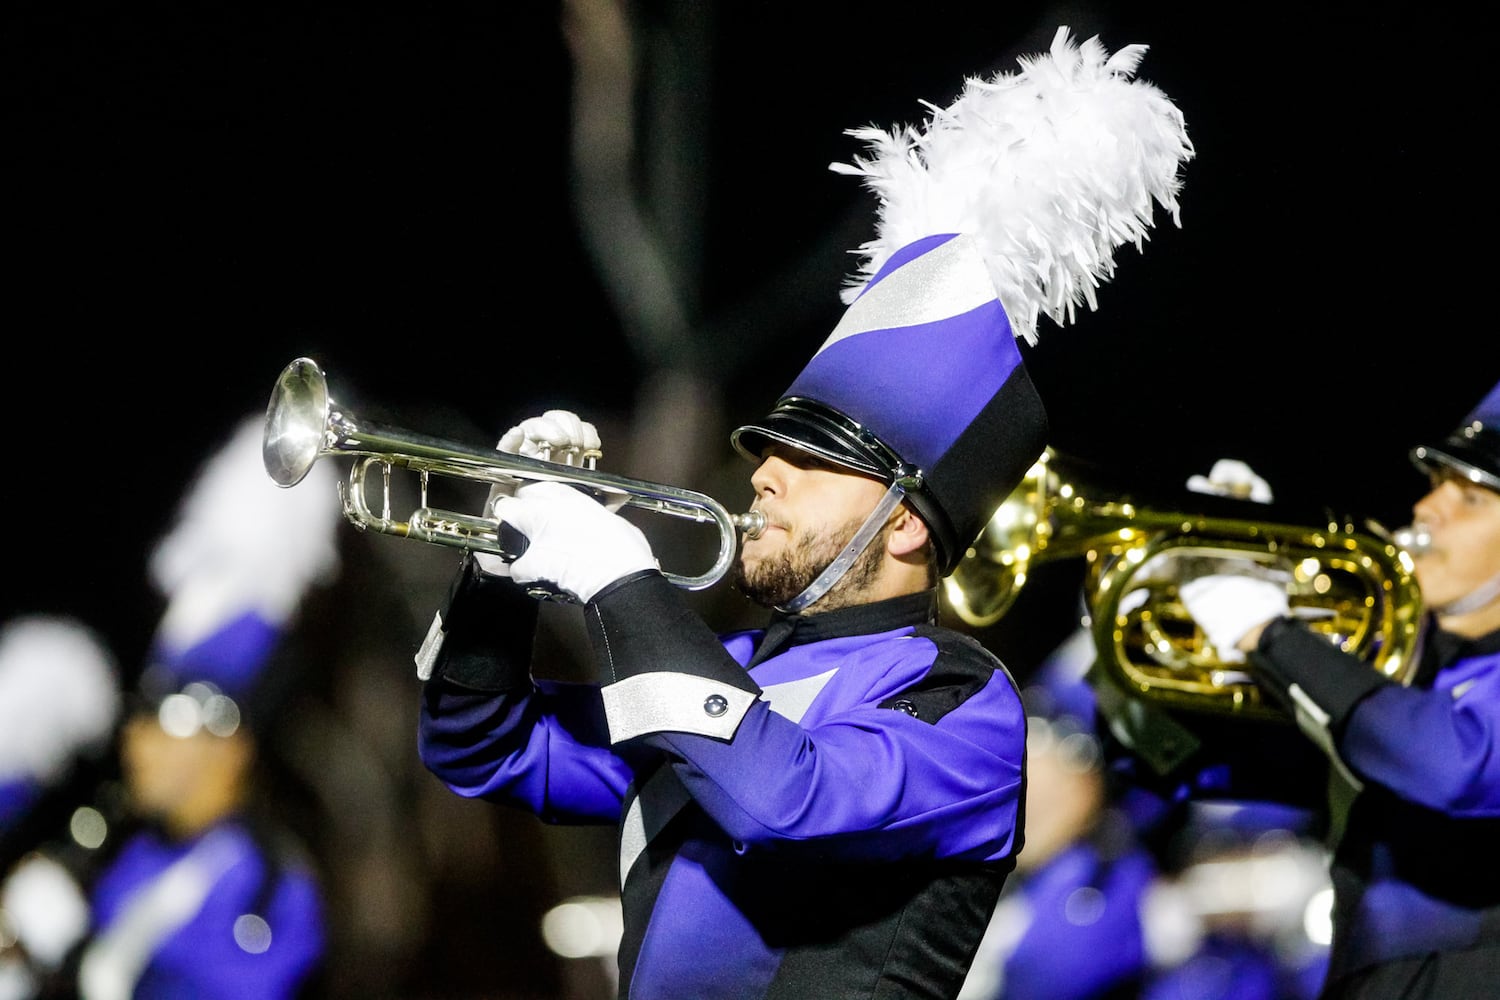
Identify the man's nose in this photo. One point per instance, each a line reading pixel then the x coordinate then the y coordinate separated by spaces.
pixel 769 477
pixel 1429 508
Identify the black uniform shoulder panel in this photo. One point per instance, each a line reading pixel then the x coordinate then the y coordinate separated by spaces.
pixel 962 667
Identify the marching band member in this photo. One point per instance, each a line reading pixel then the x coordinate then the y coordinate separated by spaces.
pixel 1415 806
pixel 828 806
pixel 1070 923
pixel 1118 894
pixel 202 894
pixel 59 704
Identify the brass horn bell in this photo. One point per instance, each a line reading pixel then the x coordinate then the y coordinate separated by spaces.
pixel 1356 587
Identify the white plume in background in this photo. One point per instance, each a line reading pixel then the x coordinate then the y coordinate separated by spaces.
pixel 242 543
pixel 59 695
pixel 1050 169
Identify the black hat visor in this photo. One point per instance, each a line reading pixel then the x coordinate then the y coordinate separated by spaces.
pixel 1476 457
pixel 818 430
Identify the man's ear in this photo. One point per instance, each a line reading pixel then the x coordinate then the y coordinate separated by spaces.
pixel 908 533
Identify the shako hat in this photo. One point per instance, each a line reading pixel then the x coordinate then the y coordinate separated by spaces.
pixel 59 702
pixel 1003 207
pixel 922 383
pixel 234 569
pixel 1473 449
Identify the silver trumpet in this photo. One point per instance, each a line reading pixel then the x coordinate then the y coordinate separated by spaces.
pixel 304 423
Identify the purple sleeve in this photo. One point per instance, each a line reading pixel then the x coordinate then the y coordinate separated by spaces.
pixel 488 731
pixel 914 748
pixel 1436 747
pixel 872 782
pixel 544 749
pixel 1439 748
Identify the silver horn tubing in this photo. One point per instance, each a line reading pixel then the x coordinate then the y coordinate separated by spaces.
pixel 303 423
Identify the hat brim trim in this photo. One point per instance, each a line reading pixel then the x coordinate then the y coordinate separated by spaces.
pixel 820 431
pixel 1463 460
pixel 752 441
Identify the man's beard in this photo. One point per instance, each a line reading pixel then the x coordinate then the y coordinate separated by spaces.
pixel 776 580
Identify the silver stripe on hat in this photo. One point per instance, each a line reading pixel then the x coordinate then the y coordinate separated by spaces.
pixel 947 281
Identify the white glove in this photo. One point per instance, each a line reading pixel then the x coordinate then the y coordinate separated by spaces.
pixel 555 436
pixel 47 909
pixel 1232 478
pixel 1228 607
pixel 575 543
pixel 557 433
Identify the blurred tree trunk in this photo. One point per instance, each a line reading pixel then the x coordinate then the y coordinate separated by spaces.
pixel 640 104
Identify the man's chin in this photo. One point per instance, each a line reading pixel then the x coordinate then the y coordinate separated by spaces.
pixel 765 587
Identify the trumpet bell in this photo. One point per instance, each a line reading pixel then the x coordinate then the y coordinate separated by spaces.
pixel 296 419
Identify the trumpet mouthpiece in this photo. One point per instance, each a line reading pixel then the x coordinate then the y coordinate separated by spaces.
pixel 752 523
pixel 1414 538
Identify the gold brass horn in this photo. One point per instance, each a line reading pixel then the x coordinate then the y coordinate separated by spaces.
pixel 1357 588
pixel 303 423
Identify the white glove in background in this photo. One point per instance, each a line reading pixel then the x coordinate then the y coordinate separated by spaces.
pixel 1228 607
pixel 45 908
pixel 576 544
pixel 1230 477
pixel 556 435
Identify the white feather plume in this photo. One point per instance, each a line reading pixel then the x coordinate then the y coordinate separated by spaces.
pixel 1050 169
pixel 59 695
pixel 241 543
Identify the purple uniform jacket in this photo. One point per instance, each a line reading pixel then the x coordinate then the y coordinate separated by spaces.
pixel 825 808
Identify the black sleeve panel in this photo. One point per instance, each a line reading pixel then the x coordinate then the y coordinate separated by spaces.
pixel 963 666
pixel 1290 653
pixel 641 625
pixel 489 630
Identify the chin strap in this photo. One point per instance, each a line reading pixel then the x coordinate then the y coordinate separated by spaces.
pixel 841 563
pixel 1473 600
